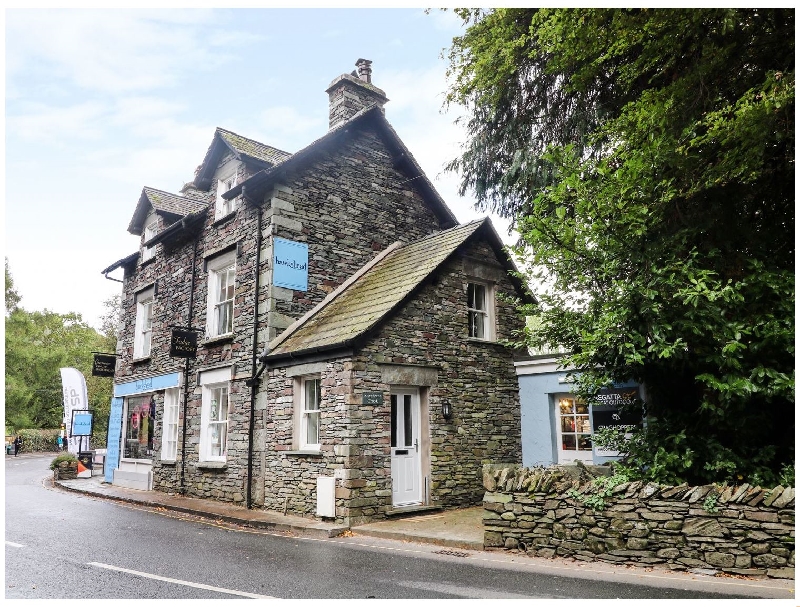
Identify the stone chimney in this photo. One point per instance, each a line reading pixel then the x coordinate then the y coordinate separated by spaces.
pixel 350 93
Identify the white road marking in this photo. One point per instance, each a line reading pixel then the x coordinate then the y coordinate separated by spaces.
pixel 14 544
pixel 183 582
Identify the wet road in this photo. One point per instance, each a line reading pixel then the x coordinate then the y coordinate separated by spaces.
pixel 66 545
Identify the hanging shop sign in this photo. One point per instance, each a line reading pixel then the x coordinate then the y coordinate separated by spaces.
pixel 104 365
pixel 183 343
pixel 290 264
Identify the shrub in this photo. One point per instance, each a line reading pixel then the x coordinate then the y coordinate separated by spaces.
pixel 64 457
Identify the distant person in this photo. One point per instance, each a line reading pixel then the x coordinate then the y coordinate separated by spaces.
pixel 59 442
pixel 65 443
pixel 17 445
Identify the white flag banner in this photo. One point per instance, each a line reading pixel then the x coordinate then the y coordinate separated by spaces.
pixel 75 398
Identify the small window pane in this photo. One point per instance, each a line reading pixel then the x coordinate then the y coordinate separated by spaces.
pixel 567 424
pixel 312 429
pixel 568 442
pixel 394 420
pixel 566 405
pixel 407 420
pixel 584 442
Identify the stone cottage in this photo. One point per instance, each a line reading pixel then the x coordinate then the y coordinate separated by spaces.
pixel 314 332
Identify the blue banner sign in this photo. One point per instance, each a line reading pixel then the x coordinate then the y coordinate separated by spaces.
pixel 81 423
pixel 114 437
pixel 148 384
pixel 290 264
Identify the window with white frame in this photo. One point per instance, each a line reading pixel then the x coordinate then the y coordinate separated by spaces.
pixel 214 414
pixel 169 435
pixel 221 291
pixel 480 310
pixel 144 323
pixel 309 414
pixel 225 207
pixel 150 230
pixel 573 429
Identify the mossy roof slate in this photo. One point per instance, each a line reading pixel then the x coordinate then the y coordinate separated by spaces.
pixel 355 308
pixel 254 149
pixel 162 202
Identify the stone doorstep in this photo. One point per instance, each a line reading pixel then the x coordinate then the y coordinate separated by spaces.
pixel 411 510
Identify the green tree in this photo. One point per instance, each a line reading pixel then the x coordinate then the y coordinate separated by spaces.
pixel 647 159
pixel 38 345
pixel 12 297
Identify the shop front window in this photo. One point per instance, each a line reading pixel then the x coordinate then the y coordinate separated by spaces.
pixel 574 429
pixel 140 419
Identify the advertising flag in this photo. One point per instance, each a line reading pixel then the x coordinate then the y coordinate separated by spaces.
pixel 75 398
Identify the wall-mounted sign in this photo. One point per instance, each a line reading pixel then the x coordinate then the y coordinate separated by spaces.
pixel 183 344
pixel 81 423
pixel 104 365
pixel 372 398
pixel 290 264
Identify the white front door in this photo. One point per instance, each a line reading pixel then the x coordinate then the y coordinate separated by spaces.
pixel 406 489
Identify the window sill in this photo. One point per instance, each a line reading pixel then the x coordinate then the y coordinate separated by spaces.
pixel 304 453
pixel 168 462
pixel 478 340
pixel 219 339
pixel 147 262
pixel 212 465
pixel 224 219
pixel 141 361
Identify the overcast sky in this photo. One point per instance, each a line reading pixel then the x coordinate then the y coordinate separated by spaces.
pixel 100 103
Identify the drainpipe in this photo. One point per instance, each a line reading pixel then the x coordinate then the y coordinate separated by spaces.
pixel 186 373
pixel 252 383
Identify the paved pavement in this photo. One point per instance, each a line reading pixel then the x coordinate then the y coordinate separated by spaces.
pixel 453 528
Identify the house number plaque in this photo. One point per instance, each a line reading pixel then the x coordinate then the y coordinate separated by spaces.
pixel 372 398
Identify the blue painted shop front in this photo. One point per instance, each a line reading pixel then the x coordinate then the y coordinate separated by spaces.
pixel 556 426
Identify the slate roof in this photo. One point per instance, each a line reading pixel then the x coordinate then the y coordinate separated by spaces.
pixel 378 289
pixel 373 116
pixel 165 203
pixel 122 263
pixel 243 146
pixel 245 149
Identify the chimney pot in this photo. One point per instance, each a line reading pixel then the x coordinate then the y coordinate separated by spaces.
pixel 364 70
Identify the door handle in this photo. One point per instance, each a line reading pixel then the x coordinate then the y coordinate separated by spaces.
pixel 416 444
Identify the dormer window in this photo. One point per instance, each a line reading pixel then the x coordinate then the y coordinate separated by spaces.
pixel 150 230
pixel 225 207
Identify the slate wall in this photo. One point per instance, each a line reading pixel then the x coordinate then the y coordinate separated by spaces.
pixel 743 530
pixel 427 335
pixel 347 205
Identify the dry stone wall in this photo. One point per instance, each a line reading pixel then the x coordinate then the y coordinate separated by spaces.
pixel 740 530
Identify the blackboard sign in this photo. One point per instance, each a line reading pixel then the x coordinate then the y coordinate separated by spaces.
pixel 609 414
pixel 103 365
pixel 183 344
pixel 372 398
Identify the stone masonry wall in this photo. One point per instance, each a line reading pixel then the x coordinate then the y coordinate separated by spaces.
pixel 430 333
pixel 347 206
pixel 737 530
